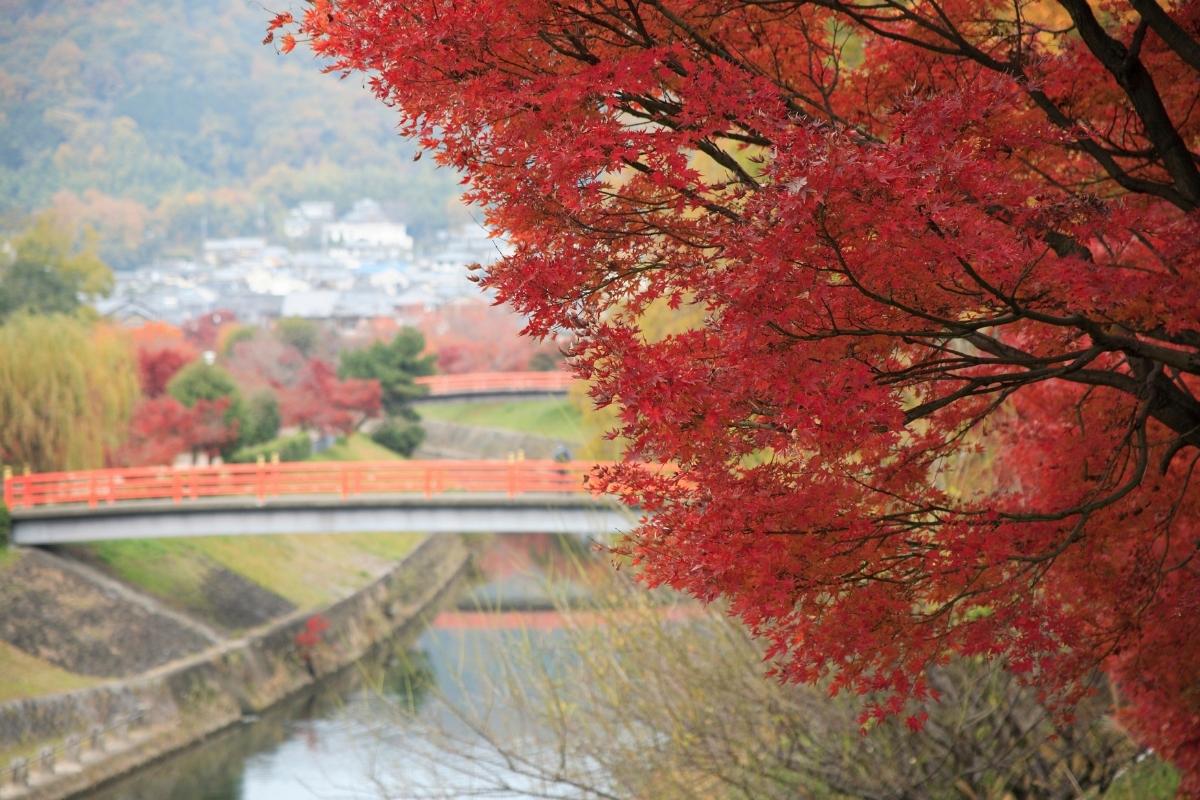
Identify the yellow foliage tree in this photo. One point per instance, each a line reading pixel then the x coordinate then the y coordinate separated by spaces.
pixel 49 268
pixel 67 390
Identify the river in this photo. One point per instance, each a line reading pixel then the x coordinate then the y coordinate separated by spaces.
pixel 353 735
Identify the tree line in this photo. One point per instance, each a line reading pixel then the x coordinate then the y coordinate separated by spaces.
pixel 78 392
pixel 158 141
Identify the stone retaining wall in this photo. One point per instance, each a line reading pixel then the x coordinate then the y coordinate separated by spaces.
pixel 188 699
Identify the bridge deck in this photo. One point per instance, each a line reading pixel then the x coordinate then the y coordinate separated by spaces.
pixel 577 514
pixel 309 497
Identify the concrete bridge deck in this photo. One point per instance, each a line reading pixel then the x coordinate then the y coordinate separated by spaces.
pixel 579 515
pixel 310 497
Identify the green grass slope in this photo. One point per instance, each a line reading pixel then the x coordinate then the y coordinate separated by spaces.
pixel 553 417
pixel 307 571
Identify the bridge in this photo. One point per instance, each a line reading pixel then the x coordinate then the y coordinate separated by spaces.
pixel 537 496
pixel 499 385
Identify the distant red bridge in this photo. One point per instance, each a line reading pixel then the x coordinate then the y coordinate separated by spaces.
pixel 499 384
pixel 536 496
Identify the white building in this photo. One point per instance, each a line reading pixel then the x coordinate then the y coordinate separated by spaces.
pixel 366 232
pixel 307 217
pixel 227 251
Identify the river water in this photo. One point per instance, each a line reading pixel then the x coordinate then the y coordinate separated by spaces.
pixel 354 735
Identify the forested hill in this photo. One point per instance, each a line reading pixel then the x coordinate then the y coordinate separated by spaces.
pixel 158 120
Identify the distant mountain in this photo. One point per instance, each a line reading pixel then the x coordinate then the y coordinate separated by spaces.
pixel 160 121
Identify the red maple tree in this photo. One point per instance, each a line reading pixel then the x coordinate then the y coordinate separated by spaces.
pixel 158 431
pixel 158 364
pixel 480 337
pixel 320 401
pixel 162 427
pixel 924 235
pixel 204 331
pixel 265 364
pixel 211 430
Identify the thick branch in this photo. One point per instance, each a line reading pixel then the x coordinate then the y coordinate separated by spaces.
pixel 1176 37
pixel 1132 76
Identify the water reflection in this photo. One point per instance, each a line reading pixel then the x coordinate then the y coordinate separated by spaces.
pixel 347 738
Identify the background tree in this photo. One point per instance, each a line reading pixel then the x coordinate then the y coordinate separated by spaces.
pixel 923 230
pixel 215 427
pixel 50 270
pixel 302 334
pixel 219 412
pixel 160 429
pixel 322 402
pixel 265 364
pixel 261 421
pixel 158 364
pixel 230 336
pixel 205 331
pixel 481 337
pixel 67 390
pixel 394 364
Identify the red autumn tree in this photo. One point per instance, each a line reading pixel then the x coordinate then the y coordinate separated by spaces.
pixel 480 337
pixel 265 364
pixel 924 235
pixel 211 430
pixel 159 431
pixel 158 364
pixel 204 331
pixel 322 402
pixel 162 428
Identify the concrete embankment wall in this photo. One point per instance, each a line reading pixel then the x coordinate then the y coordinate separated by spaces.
pixel 187 699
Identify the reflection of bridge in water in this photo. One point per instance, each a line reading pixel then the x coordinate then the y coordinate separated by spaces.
pixel 309 497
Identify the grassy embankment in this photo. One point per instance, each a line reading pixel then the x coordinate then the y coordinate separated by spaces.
pixel 22 675
pixel 1149 780
pixel 552 417
pixel 307 570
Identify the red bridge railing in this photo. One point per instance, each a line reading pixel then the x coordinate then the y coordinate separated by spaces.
pixel 495 382
pixel 267 480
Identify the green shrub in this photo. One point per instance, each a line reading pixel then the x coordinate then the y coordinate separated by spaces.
pixel 200 381
pixel 297 447
pixel 5 526
pixel 399 437
pixel 260 423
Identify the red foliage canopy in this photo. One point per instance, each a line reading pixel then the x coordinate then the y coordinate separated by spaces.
pixel 204 331
pixel 158 364
pixel 265 365
pixel 158 432
pixel 319 400
pixel 918 231
pixel 479 337
pixel 162 428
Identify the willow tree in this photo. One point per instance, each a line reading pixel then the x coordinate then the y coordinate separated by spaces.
pixel 67 389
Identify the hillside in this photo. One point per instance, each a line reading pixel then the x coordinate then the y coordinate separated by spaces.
pixel 160 121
